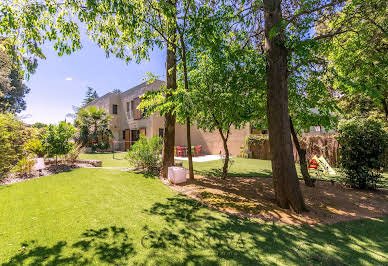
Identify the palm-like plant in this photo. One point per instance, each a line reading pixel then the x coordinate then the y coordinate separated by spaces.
pixel 94 126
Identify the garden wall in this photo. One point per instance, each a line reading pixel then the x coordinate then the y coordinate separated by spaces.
pixel 325 145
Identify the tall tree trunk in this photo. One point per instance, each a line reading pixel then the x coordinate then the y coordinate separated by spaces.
pixel 285 179
pixel 226 149
pixel 302 157
pixel 169 118
pixel 190 155
pixel 186 82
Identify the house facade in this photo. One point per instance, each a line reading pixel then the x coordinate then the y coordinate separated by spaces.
pixel 128 123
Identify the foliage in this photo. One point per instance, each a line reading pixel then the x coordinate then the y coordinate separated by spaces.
pixel 91 95
pixel 253 139
pixel 94 127
pixel 146 153
pixel 36 147
pixel 359 56
pixel 13 136
pixel 39 125
pixel 57 140
pixel 73 153
pixel 362 142
pixel 24 165
pixel 12 86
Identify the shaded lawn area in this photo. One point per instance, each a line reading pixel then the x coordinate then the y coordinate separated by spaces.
pixel 242 167
pixel 99 216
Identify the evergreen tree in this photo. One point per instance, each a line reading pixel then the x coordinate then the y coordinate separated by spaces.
pixel 91 95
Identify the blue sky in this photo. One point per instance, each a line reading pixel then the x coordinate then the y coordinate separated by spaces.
pixel 60 82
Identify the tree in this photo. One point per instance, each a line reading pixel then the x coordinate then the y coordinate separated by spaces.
pixel 13 136
pixel 94 127
pixel 91 95
pixel 12 87
pixel 39 125
pixel 312 103
pixel 117 91
pixel 284 30
pixel 359 57
pixel 227 83
pixel 57 140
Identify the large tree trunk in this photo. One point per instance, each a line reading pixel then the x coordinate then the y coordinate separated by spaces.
pixel 226 149
pixel 169 118
pixel 285 179
pixel 302 157
pixel 189 151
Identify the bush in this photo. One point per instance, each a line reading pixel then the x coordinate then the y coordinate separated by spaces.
pixel 146 153
pixel 57 140
pixel 74 153
pixel 13 136
pixel 363 143
pixel 35 146
pixel 24 165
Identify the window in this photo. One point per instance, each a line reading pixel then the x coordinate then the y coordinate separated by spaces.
pixel 161 132
pixel 132 109
pixel 135 135
pixel 115 109
pixel 127 107
pixel 124 135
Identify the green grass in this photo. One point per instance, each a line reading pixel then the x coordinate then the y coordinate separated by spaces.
pixel 108 159
pixel 100 216
pixel 241 167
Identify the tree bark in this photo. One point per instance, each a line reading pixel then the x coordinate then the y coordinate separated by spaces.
pixel 186 82
pixel 169 118
pixel 189 154
pixel 302 157
pixel 226 149
pixel 285 179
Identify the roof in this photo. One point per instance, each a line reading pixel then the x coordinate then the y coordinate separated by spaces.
pixel 142 88
pixel 136 91
pixel 97 99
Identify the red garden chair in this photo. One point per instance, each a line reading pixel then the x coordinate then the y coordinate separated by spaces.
pixel 197 150
pixel 179 151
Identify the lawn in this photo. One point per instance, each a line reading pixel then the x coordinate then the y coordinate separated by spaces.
pixel 108 159
pixel 103 216
pixel 240 167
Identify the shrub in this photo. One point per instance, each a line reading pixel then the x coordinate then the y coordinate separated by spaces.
pixel 363 143
pixel 13 136
pixel 146 153
pixel 57 140
pixel 36 147
pixel 24 165
pixel 74 153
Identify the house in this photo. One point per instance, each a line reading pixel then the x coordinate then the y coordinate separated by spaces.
pixel 128 123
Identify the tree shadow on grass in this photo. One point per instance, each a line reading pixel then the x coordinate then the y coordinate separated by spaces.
pixel 217 172
pixel 110 245
pixel 204 237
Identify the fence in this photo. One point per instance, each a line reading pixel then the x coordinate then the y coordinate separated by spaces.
pixel 325 145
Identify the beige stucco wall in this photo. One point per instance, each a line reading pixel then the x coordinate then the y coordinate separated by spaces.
pixel 211 142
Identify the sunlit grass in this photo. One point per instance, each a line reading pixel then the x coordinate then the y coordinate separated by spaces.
pixel 100 216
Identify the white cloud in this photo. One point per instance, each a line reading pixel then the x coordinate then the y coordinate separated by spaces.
pixel 68 78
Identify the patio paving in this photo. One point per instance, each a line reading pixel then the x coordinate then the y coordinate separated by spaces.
pixel 204 158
